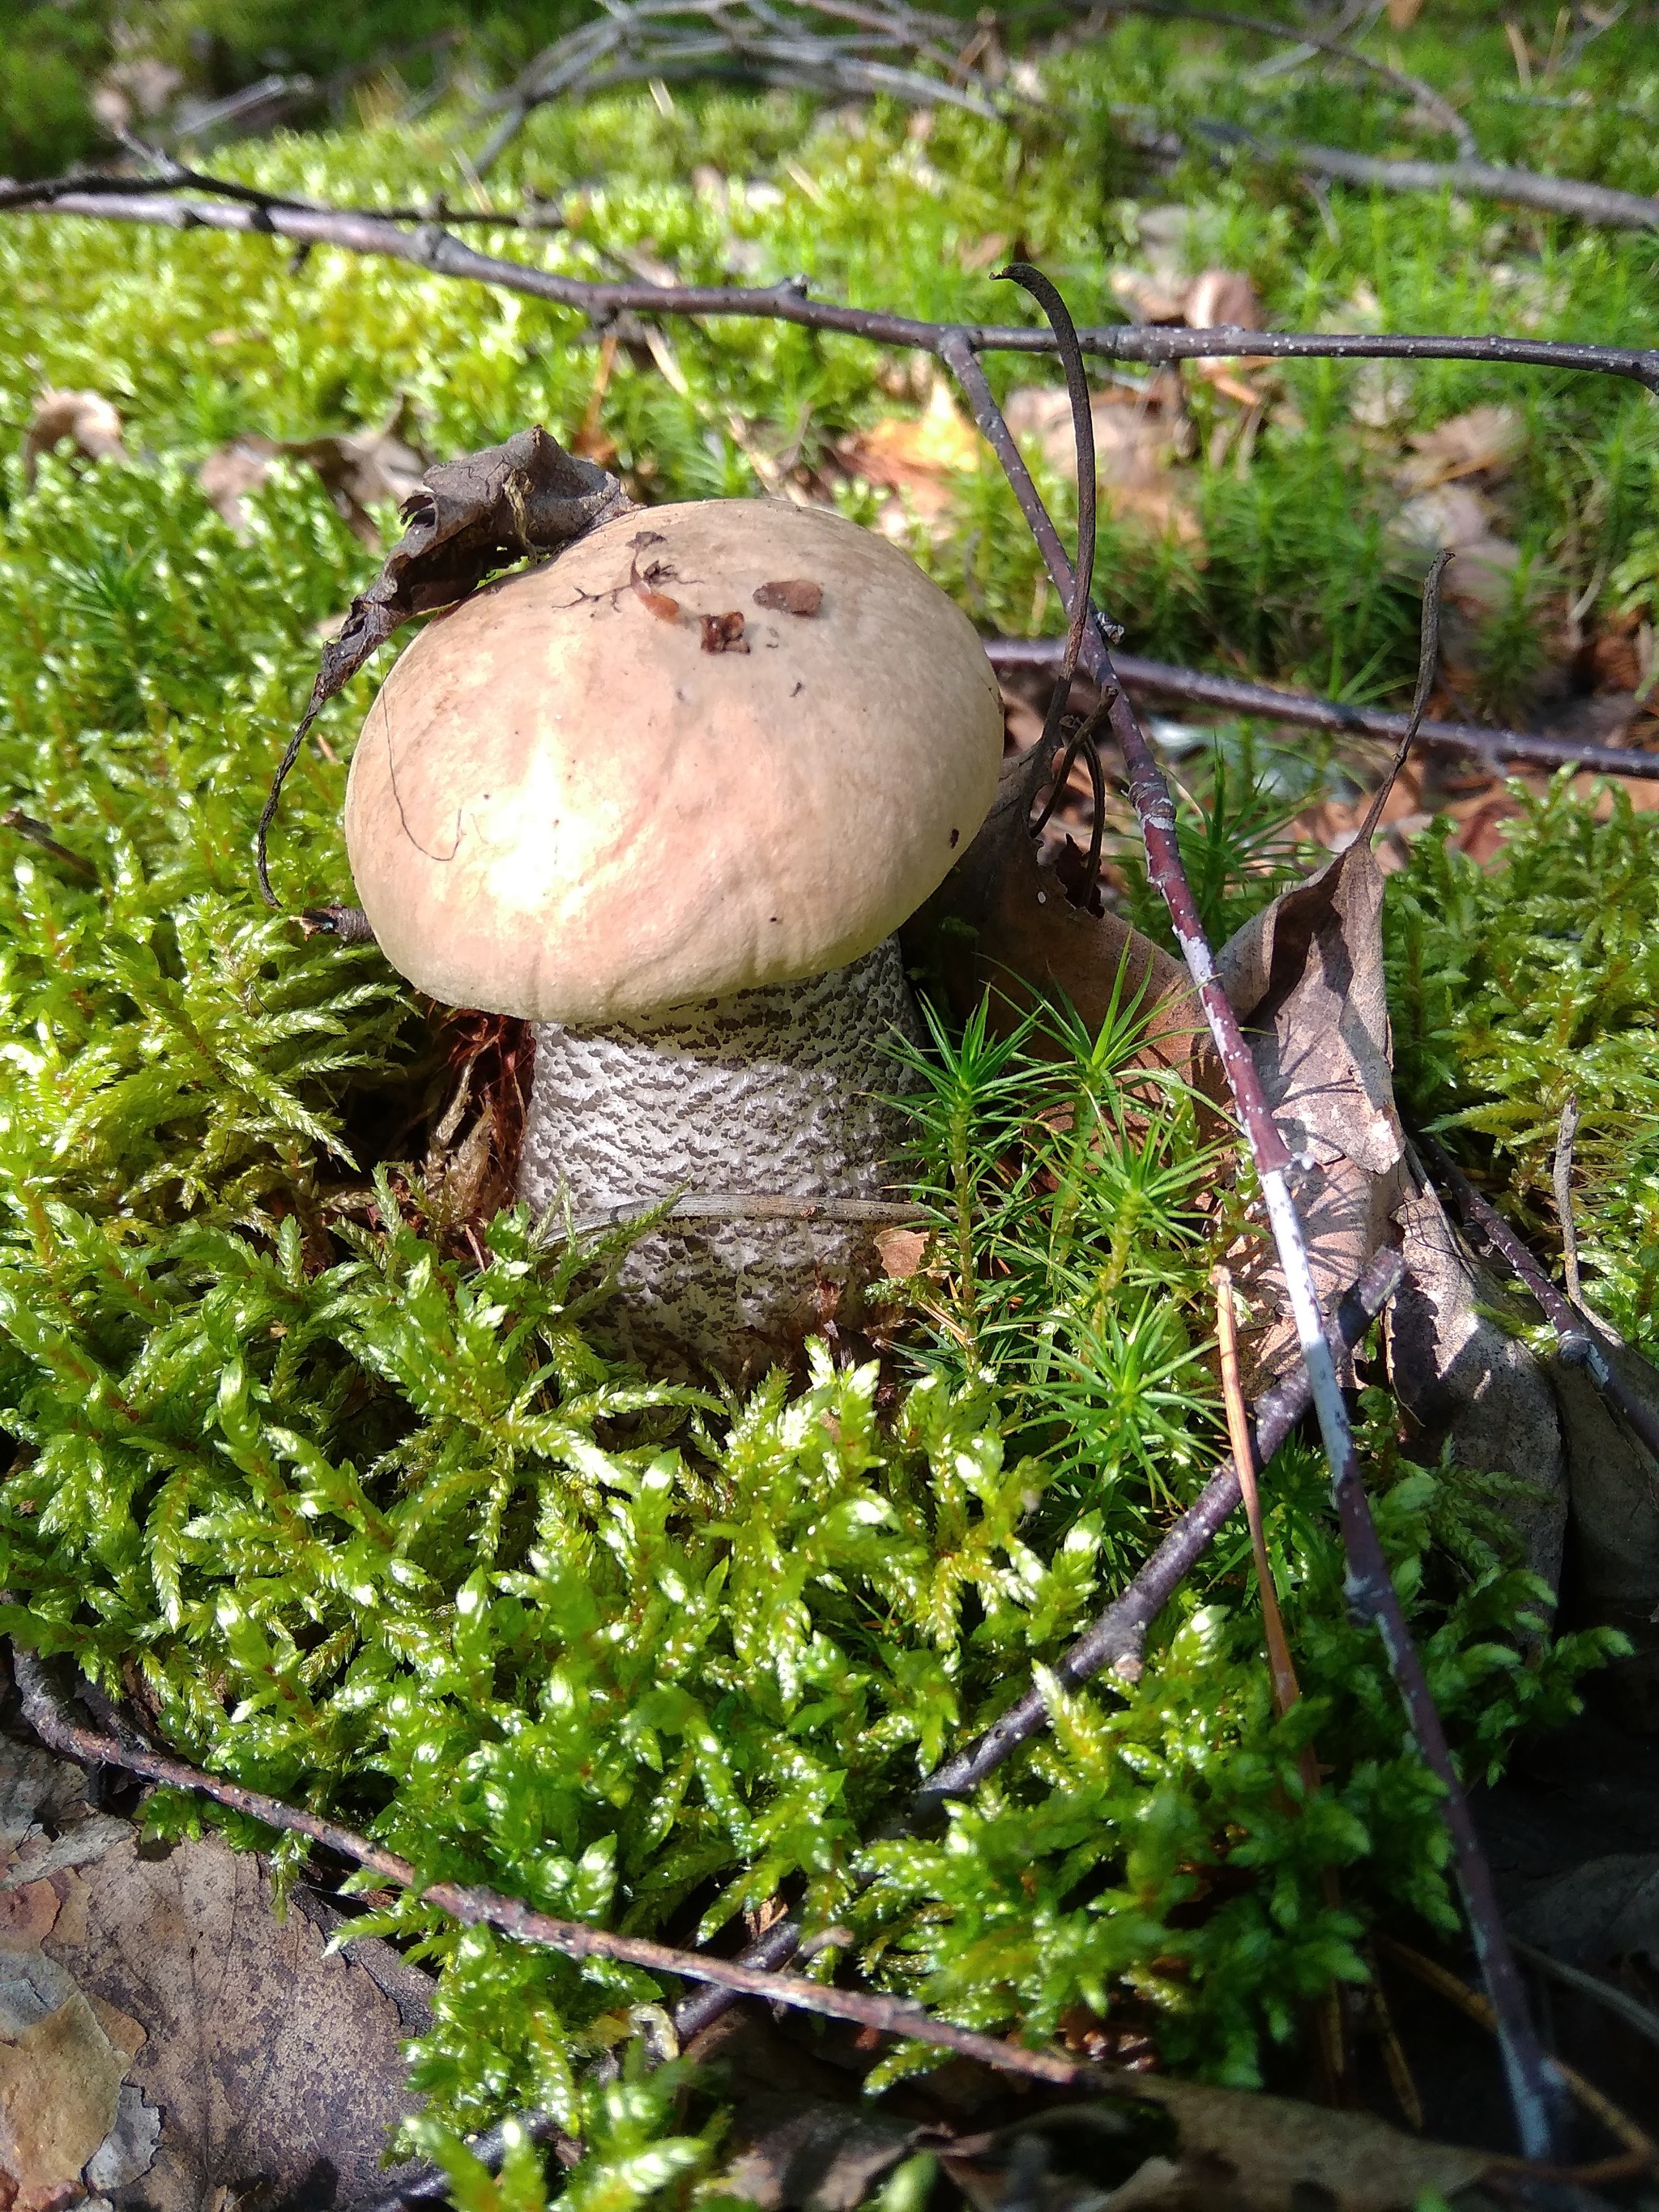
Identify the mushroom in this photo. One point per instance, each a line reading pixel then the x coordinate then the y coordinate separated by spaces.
pixel 668 797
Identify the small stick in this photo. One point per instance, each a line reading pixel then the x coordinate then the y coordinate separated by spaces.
pixel 474 1904
pixel 1474 2006
pixel 1286 1688
pixel 1578 1345
pixel 429 246
pixel 1562 1177
pixel 38 834
pixel 1231 695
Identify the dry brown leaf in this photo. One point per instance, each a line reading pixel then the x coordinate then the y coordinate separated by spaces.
pixel 364 470
pixel 917 456
pixel 85 419
pixel 1306 979
pixel 1461 1379
pixel 1484 441
pixel 267 2056
pixel 1002 920
pixel 1136 448
pixel 1151 295
pixel 60 2081
pixel 821 2156
pixel 1260 2153
pixel 1456 518
pixel 900 1251
pixel 1614 1486
pixel 1402 14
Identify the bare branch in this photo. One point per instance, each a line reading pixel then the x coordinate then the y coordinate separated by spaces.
pixel 431 247
pixel 1597 204
pixel 474 1904
pixel 1263 702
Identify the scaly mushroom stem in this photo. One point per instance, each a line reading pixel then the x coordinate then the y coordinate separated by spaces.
pixel 777 1088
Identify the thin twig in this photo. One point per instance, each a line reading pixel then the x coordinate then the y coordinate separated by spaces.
pixel 1576 1339
pixel 1629 2009
pixel 1561 1175
pixel 760 1207
pixel 474 1904
pixel 1602 204
pixel 1410 87
pixel 1370 1587
pixel 1160 679
pixel 1472 2006
pixel 38 834
pixel 429 246
pixel 1286 1689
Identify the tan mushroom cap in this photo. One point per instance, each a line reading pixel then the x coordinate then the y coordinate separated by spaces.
pixel 563 805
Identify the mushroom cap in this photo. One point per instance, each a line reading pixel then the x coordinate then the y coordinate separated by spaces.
pixel 564 805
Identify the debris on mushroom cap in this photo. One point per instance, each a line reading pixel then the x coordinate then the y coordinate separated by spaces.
pixel 566 804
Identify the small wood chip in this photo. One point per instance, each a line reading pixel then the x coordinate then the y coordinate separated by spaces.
pixel 795 595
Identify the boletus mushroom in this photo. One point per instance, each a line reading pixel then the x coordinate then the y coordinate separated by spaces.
pixel 668 796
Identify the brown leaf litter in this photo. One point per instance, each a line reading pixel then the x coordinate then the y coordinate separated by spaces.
pixel 360 471
pixel 916 458
pixel 162 2025
pixel 84 420
pixel 1141 439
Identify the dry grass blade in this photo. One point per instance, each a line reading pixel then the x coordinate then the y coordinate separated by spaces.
pixel 1286 1689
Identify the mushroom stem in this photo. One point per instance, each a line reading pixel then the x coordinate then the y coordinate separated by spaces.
pixel 779 1087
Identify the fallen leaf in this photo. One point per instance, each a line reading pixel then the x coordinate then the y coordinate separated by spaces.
pixel 466 519
pixel 900 1251
pixel 797 595
pixel 1222 298
pixel 267 2056
pixel 1305 978
pixel 60 2081
pixel 85 419
pixel 723 633
pixel 917 455
pixel 1151 295
pixel 1614 1486
pixel 1136 447
pixel 1402 14
pixel 1002 922
pixel 1598 1915
pixel 1461 1379
pixel 1485 441
pixel 361 471
pixel 820 2156
pixel 1456 518
pixel 1262 2154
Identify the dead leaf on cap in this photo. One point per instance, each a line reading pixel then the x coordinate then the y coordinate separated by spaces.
pixel 466 518
pixel 723 633
pixel 85 419
pixel 795 595
pixel 360 471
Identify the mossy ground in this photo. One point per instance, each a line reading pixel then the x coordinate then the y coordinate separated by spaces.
pixel 376 1528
